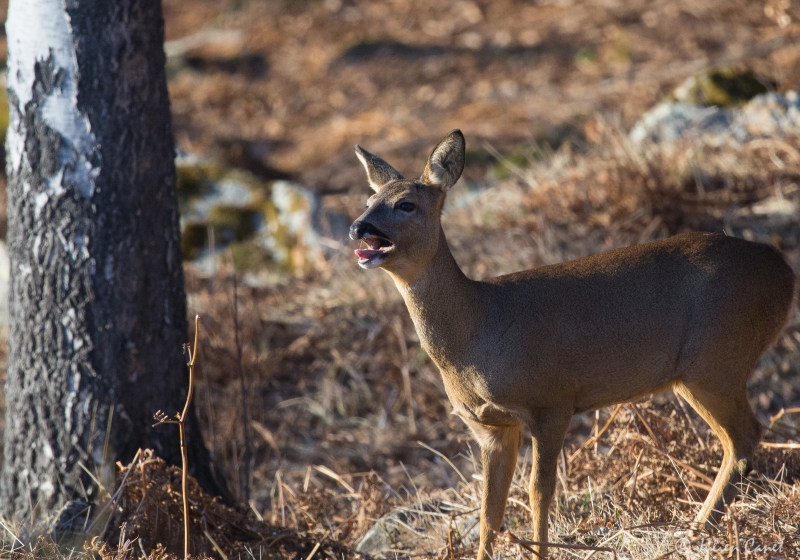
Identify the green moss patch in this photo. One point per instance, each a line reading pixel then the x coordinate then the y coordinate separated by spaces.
pixel 721 87
pixel 195 180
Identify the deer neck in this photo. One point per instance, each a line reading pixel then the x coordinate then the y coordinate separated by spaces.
pixel 442 303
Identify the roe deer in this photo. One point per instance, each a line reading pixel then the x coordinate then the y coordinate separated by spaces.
pixel 691 313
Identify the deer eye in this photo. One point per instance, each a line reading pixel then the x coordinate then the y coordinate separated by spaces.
pixel 407 206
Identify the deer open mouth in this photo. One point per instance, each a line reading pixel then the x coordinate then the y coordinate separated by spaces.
pixel 374 256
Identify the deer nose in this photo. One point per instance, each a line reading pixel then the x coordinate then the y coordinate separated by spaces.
pixel 357 230
pixel 361 229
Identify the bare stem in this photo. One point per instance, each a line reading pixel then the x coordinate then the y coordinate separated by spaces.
pixel 248 451
pixel 162 418
pixel 185 491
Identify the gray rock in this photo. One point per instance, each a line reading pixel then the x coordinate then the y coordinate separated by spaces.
pixel 766 115
pixel 266 224
pixel 670 121
pixel 409 529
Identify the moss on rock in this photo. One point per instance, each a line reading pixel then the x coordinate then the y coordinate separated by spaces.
pixel 194 238
pixel 234 223
pixel 721 87
pixel 193 180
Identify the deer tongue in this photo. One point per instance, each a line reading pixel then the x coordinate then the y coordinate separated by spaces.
pixel 367 253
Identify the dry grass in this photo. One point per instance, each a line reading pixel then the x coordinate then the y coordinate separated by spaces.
pixel 150 505
pixel 147 522
pixel 634 494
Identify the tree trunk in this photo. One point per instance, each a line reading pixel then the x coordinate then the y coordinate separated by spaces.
pixel 97 311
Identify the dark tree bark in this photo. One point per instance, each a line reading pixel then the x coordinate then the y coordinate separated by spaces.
pixel 97 310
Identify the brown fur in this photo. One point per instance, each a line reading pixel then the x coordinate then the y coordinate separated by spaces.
pixel 693 313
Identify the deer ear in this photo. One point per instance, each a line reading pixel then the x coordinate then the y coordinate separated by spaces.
pixel 379 172
pixel 446 162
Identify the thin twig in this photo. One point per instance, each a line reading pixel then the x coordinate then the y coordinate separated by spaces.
pixel 113 499
pixel 686 466
pixel 331 474
pixel 404 370
pixel 244 483
pixel 592 440
pixel 776 445
pixel 215 545
pixel 780 414
pixel 647 427
pixel 10 532
pixel 144 480
pixel 448 461
pixel 604 541
pixel 316 546
pixel 451 551
pixel 180 420
pixel 635 474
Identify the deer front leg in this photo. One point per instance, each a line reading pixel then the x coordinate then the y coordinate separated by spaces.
pixel 499 448
pixel 548 429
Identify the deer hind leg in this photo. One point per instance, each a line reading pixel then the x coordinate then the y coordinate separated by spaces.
pixel 548 429
pixel 729 414
pixel 499 448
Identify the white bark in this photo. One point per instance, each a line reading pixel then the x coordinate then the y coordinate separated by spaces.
pixel 39 32
pixel 36 30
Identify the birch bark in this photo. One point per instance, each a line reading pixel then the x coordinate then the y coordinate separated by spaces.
pixel 97 309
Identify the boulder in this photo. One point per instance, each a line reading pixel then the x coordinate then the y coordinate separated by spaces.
pixel 290 236
pixel 218 207
pixel 670 121
pixel 278 225
pixel 766 115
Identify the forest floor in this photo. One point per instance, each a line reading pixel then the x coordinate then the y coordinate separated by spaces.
pixel 349 416
pixel 343 418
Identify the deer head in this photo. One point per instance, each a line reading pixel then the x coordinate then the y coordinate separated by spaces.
pixel 401 226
